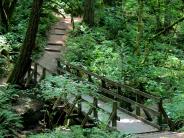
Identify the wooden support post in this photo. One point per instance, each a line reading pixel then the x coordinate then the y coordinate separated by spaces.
pixel 80 104
pixel 86 117
pixel 138 111
pixel 35 73
pixel 73 106
pixel 160 116
pixel 89 78
pixel 95 111
pixel 43 74
pixel 103 83
pixel 58 66
pixel 29 77
pixel 68 68
pixel 114 118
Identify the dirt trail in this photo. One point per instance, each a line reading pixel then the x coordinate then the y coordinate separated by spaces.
pixel 56 48
pixel 56 43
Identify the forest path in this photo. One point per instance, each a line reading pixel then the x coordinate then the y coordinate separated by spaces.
pixel 56 48
pixel 56 43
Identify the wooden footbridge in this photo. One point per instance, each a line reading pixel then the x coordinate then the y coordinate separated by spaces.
pixel 123 106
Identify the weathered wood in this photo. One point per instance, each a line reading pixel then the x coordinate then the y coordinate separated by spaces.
pixel 29 77
pixel 43 74
pixel 112 117
pixel 95 111
pixel 35 73
pixel 79 104
pixel 115 84
pixel 86 117
pixel 118 96
pixel 130 101
pixel 140 118
pixel 114 110
pixel 138 111
pixel 73 106
pixel 160 116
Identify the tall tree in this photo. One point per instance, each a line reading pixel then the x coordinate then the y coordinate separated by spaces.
pixel 24 61
pixel 89 11
pixel 139 27
pixel 3 17
pixel 6 11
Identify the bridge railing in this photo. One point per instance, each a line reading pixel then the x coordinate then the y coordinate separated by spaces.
pixel 126 96
pixel 38 72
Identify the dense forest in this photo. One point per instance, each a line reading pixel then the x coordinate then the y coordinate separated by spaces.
pixel 135 43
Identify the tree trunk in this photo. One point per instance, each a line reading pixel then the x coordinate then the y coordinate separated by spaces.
pixel 157 15
pixel 3 17
pixel 24 61
pixel 139 27
pixel 167 16
pixel 89 12
pixel 11 9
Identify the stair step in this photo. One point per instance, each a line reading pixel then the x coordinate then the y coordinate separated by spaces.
pixel 52 50
pixel 60 28
pixel 57 33
pixel 55 44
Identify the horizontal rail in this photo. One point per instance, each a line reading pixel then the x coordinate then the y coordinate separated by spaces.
pixel 129 101
pixel 116 84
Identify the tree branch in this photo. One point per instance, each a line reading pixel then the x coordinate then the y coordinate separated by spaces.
pixel 167 28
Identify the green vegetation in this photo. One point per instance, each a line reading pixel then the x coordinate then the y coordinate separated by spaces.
pixel 78 132
pixel 108 49
pixel 10 122
pixel 137 43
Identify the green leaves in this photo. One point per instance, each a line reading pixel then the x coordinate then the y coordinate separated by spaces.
pixel 54 87
pixel 78 132
pixel 10 122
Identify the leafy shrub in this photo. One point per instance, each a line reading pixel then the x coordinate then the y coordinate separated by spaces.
pixel 10 122
pixel 54 87
pixel 78 132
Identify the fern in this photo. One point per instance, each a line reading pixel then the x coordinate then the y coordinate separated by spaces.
pixel 10 122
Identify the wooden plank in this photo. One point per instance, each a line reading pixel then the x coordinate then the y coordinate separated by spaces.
pixel 114 110
pixel 52 50
pixel 130 101
pixel 86 117
pixel 95 104
pixel 127 100
pixel 35 72
pixel 116 84
pixel 140 118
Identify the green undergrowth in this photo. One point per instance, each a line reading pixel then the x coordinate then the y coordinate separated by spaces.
pixel 108 50
pixel 10 122
pixel 78 132
pixel 55 89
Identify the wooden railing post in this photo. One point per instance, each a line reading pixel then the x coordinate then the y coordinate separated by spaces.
pixel 103 84
pixel 95 111
pixel 68 68
pixel 89 78
pixel 160 116
pixel 35 73
pixel 138 111
pixel 80 104
pixel 58 66
pixel 114 110
pixel 43 74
